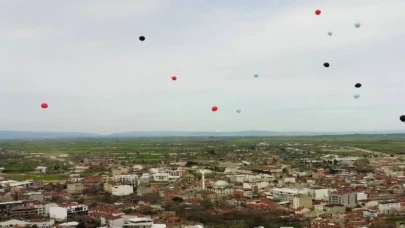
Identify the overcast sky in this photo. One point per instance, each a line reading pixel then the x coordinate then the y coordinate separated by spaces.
pixel 84 58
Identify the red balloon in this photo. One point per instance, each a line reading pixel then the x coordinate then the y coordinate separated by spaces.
pixel 317 12
pixel 44 105
pixel 214 108
pixel 174 78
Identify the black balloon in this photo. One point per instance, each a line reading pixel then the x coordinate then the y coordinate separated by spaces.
pixel 402 118
pixel 358 85
pixel 326 64
pixel 141 38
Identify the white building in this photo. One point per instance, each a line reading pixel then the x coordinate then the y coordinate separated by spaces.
pixel 145 178
pixel 289 179
pixel 319 193
pixel 388 207
pixel 122 190
pixel 361 196
pixel 286 193
pixel 19 223
pixel 75 178
pixel 166 175
pixel 112 220
pixel 66 211
pixel 41 169
pixel 69 224
pixel 131 179
pixel 142 223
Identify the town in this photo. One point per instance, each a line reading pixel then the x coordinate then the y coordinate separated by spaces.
pixel 203 182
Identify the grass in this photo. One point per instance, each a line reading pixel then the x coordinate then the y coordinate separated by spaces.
pixel 153 148
pixel 32 176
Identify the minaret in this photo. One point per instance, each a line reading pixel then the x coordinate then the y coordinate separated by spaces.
pixel 203 171
pixel 202 179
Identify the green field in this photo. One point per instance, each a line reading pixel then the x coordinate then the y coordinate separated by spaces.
pixel 142 149
pixel 43 177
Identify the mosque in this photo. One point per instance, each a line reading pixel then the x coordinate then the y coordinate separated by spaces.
pixel 222 188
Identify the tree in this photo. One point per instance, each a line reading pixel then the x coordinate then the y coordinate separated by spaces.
pixel 207 204
pixel 177 200
pixel 381 224
pixel 285 171
pixel 150 198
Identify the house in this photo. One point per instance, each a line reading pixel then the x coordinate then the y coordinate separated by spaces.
pixel 301 201
pixel 122 190
pixel 41 169
pixel 75 187
pixel 347 199
pixel 389 207
pixel 64 212
pixel 20 223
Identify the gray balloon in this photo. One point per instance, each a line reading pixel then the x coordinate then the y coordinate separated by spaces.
pixel 330 33
pixel 357 25
pixel 356 96
pixel 238 111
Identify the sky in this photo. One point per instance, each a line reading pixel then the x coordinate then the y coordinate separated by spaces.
pixel 85 60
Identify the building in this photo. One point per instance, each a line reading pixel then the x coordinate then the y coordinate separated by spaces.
pixel 122 190
pixel 142 223
pixel 318 193
pixel 5 207
pixel 75 178
pixel 301 201
pixel 131 179
pixel 75 187
pixel 19 223
pixel 389 207
pixel 285 194
pixel 66 212
pixel 347 199
pixel 361 196
pixel 23 212
pixel 166 175
pixel 81 169
pixel 222 188
pixel 334 208
pixel 41 169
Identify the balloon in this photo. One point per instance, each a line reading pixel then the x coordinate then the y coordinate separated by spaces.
pixel 238 111
pixel 356 96
pixel 358 85
pixel 330 33
pixel 141 38
pixel 402 118
pixel 214 108
pixel 174 78
pixel 256 75
pixel 357 25
pixel 326 64
pixel 317 12
pixel 44 105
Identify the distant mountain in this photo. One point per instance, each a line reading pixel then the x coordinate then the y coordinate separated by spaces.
pixel 204 134
pixel 43 135
pixel 137 134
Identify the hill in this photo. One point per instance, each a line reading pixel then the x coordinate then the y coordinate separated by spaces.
pixel 4 135
pixel 42 135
